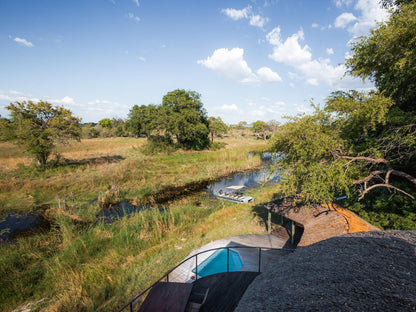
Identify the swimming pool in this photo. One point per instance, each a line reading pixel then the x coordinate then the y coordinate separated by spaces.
pixel 217 263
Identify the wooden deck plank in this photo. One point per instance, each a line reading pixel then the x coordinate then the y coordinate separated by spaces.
pixel 169 297
pixel 225 290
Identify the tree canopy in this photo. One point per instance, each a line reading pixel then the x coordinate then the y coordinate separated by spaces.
pixel 217 127
pixel 361 144
pixel 181 115
pixel 39 126
pixel 388 57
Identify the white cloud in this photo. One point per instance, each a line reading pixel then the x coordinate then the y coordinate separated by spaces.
pixel 289 52
pixel 267 75
pixel 231 64
pixel 312 71
pixel 228 108
pixel 254 20
pixel 371 13
pixel 133 17
pixel 329 51
pixel 340 3
pixel 344 19
pixel 137 2
pixel 24 42
pixel 315 25
pixel 274 36
pixel 66 100
pixel 237 14
pixel 258 21
pixel 141 58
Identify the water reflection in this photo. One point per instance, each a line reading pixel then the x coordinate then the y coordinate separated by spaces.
pixel 18 223
pixel 247 179
pixel 124 208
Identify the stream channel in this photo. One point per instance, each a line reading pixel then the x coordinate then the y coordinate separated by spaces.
pixel 15 224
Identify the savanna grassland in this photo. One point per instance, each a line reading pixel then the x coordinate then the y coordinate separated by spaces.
pixel 82 265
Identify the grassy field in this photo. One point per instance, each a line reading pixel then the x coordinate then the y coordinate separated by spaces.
pixel 93 166
pixel 87 266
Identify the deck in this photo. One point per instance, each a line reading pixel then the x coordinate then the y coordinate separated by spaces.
pixel 167 297
pixel 225 289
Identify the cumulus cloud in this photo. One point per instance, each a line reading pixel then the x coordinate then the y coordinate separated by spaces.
pixel 290 51
pixel 313 71
pixel 133 17
pixel 66 100
pixel 265 74
pixel 231 64
pixel 237 14
pixel 344 19
pixel 246 13
pixel 329 51
pixel 371 13
pixel 24 42
pixel 258 21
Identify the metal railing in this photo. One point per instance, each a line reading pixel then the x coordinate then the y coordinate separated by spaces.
pixel 165 277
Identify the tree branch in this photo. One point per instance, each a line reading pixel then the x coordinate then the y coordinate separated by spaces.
pixel 383 185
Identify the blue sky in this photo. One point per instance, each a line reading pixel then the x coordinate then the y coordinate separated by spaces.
pixel 249 60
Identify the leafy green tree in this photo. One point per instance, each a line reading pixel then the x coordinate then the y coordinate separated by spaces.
pixel 388 57
pixel 217 127
pixel 242 125
pixel 328 152
pixel 106 123
pixel 39 126
pixel 183 116
pixel 142 120
pixel 261 128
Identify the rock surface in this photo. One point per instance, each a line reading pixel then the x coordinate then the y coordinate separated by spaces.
pixel 368 271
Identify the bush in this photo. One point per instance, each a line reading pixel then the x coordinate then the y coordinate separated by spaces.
pixel 158 144
pixel 217 145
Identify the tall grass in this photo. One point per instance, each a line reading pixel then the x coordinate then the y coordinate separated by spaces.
pixel 100 267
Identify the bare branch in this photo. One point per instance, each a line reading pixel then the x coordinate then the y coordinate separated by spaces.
pixel 370 177
pixel 383 185
pixel 368 159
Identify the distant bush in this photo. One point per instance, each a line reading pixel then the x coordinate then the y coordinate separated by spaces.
pixel 158 144
pixel 217 145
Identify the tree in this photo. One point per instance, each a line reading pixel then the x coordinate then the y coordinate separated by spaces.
pixel 261 128
pixel 339 147
pixel 217 127
pixel 106 123
pixel 388 57
pixel 142 120
pixel 39 126
pixel 182 115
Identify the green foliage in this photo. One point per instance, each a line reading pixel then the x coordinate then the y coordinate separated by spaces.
pixel 217 127
pixel 158 144
pixel 217 145
pixel 106 123
pixel 38 126
pixel 261 128
pixel 185 118
pixel 142 120
pixel 307 165
pixel 388 57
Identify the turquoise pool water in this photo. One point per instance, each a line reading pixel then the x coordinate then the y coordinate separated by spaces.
pixel 217 263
